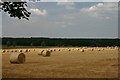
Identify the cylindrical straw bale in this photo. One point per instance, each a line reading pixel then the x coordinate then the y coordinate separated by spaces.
pixel 51 50
pixel 17 58
pixel 7 51
pixel 69 50
pixel 102 49
pixel 46 53
pixel 20 50
pixel 12 51
pixel 58 49
pixel 82 50
pixel 41 52
pixel 15 50
pixel 26 50
pixel 3 51
pixel 92 49
pixel 54 50
pixel 98 49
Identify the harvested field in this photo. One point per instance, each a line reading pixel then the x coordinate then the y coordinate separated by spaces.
pixel 63 64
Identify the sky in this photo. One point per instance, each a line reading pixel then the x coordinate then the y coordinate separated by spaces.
pixel 65 20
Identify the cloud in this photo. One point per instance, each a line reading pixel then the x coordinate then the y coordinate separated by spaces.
pixel 69 17
pixel 38 11
pixel 69 4
pixel 70 7
pixel 63 24
pixel 95 7
pixel 65 2
pixel 101 10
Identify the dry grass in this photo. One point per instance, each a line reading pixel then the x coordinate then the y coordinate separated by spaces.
pixel 64 64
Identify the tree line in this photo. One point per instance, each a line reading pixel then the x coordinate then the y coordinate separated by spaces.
pixel 59 42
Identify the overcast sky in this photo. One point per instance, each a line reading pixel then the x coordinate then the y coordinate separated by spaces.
pixel 65 20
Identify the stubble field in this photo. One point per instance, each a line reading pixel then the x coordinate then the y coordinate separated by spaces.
pixel 101 62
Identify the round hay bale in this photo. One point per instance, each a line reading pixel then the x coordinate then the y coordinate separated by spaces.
pixel 51 50
pixel 7 51
pixel 92 49
pixel 58 49
pixel 12 51
pixel 69 50
pixel 17 58
pixel 41 52
pixel 98 49
pixel 116 47
pixel 46 53
pixel 15 50
pixel 54 50
pixel 107 46
pixel 26 50
pixel 82 50
pixel 102 49
pixel 3 51
pixel 20 50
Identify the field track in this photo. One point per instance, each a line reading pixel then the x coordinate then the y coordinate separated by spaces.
pixel 92 63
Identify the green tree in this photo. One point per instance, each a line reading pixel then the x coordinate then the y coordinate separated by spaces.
pixel 43 43
pixel 14 43
pixel 31 44
pixel 8 43
pixel 15 9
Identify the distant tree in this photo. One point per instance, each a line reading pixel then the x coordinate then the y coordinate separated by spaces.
pixel 8 43
pixel 31 44
pixel 15 9
pixel 14 43
pixel 43 43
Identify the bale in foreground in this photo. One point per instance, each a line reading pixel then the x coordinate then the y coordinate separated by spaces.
pixel 17 58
